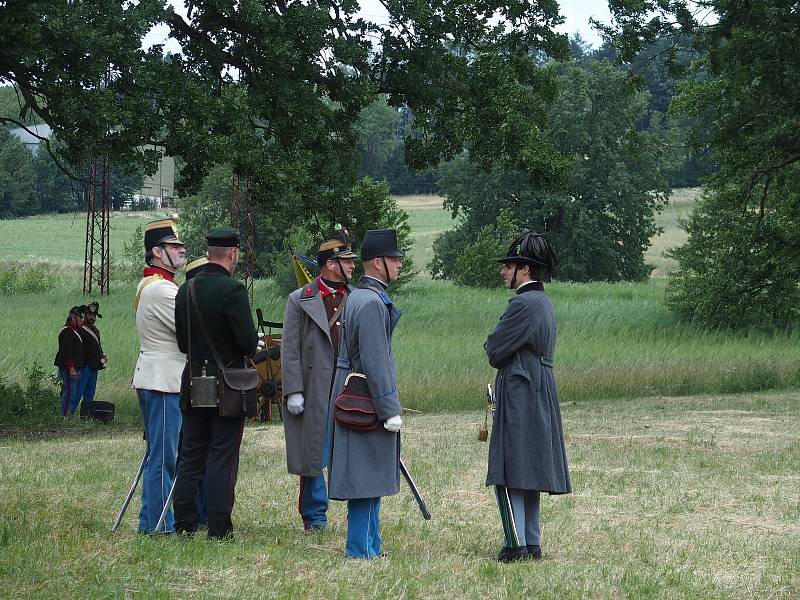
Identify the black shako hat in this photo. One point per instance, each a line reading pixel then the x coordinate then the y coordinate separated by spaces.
pixel 160 232
pixel 94 308
pixel 338 246
pixel 379 242
pixel 531 248
pixel 195 266
pixel 224 237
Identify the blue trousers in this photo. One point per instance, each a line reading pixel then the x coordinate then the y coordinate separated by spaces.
pixel 519 511
pixel 162 424
pixel 363 528
pixel 86 387
pixel 313 502
pixel 69 393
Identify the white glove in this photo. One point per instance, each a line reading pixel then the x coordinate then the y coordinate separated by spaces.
pixel 295 403
pixel 260 345
pixel 393 424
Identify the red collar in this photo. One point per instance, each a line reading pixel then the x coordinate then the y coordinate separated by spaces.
pixel 325 291
pixel 159 271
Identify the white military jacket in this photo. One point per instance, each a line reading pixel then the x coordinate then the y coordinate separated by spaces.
pixel 160 363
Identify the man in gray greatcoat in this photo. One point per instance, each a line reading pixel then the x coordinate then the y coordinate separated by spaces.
pixel 526 450
pixel 309 346
pixel 365 465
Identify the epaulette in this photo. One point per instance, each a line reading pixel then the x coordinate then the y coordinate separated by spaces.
pixel 308 292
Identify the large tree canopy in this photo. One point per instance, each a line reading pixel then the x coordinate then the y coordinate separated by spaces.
pixel 602 220
pixel 742 261
pixel 274 88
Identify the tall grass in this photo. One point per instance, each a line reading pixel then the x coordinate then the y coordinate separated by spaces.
pixel 614 340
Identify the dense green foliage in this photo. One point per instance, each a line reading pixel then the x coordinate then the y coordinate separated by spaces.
pixel 32 404
pixel 601 221
pixel 477 264
pixel 740 266
pixel 285 229
pixel 33 184
pixel 381 132
pixel 276 91
pixel 16 176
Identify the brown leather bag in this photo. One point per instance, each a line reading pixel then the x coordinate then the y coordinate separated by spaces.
pixel 238 392
pixel 353 407
pixel 237 389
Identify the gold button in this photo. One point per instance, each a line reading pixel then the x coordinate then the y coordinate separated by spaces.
pixel 337 323
pixel 335 308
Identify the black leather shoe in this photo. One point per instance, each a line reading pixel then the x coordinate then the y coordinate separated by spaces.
pixel 534 552
pixel 512 554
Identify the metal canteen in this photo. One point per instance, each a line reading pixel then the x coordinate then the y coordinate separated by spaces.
pixel 203 392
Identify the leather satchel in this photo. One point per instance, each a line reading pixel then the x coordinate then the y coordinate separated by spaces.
pixel 237 389
pixel 353 407
pixel 238 392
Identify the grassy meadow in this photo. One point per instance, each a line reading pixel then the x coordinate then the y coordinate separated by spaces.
pixel 684 449
pixel 681 497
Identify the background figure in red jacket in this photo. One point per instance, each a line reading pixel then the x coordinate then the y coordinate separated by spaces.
pixel 69 359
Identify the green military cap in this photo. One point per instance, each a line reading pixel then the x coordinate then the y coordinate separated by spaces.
pixel 223 236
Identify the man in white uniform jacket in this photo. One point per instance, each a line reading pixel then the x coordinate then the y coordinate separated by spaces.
pixel 157 378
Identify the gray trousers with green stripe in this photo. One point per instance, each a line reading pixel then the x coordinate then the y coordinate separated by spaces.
pixel 519 512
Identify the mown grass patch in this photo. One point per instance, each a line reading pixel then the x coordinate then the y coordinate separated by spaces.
pixel 427 219
pixel 674 497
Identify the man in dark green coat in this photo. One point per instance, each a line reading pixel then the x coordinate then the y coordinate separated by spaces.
pixel 526 451
pixel 210 443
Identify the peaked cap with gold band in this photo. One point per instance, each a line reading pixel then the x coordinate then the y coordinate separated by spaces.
pixel 195 266
pixel 338 246
pixel 160 232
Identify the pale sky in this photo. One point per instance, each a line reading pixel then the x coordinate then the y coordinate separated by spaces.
pixel 576 12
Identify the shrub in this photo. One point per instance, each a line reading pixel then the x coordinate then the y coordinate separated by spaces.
pixel 132 263
pixel 34 404
pixel 26 279
pixel 477 265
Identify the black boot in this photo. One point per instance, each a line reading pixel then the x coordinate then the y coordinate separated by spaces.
pixel 534 552
pixel 512 554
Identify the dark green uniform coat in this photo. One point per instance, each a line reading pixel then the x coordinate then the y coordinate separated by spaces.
pixel 526 450
pixel 225 310
pixel 366 464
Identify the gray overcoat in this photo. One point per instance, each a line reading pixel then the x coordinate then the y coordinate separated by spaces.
pixel 367 464
pixel 526 450
pixel 306 367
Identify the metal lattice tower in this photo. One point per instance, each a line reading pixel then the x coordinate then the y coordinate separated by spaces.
pixel 98 227
pixel 243 218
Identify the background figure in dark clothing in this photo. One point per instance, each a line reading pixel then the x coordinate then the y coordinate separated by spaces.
pixel 211 442
pixel 70 360
pixel 95 358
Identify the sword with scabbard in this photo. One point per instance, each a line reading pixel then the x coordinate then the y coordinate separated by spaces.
pixel 410 481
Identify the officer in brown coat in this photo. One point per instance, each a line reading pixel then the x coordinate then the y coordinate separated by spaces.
pixel 308 358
